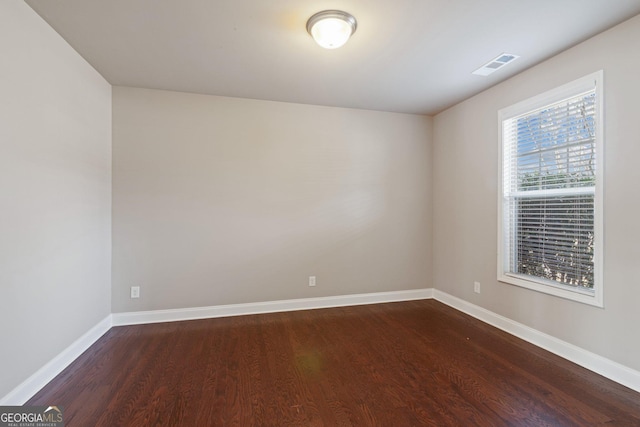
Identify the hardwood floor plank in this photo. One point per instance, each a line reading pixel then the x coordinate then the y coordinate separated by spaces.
pixel 416 363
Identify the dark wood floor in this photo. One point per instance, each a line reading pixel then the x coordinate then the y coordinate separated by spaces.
pixel 400 364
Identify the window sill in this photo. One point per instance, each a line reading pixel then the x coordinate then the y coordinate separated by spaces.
pixel 585 297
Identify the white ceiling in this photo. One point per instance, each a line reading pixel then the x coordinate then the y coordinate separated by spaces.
pixel 411 56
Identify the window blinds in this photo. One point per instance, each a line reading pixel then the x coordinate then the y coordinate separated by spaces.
pixel 549 186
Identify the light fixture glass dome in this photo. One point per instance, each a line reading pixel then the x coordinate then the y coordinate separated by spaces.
pixel 331 28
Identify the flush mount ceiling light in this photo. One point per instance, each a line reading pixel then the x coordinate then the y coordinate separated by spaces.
pixel 331 28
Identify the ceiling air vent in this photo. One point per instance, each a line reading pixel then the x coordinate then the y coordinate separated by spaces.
pixel 495 64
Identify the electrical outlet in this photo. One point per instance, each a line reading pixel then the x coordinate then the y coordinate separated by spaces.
pixel 135 292
pixel 312 280
pixel 476 287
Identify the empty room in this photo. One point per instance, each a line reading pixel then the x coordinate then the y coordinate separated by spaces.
pixel 329 213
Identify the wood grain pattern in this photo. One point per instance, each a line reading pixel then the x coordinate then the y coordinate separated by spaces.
pixel 415 363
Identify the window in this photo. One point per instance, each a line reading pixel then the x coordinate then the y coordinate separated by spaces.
pixel 550 209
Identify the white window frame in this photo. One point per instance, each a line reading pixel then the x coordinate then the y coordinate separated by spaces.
pixel 569 90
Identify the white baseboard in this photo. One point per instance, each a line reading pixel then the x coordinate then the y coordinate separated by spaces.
pixel 173 315
pixel 598 364
pixel 29 387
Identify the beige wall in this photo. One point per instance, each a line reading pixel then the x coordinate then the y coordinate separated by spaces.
pixel 465 199
pixel 220 200
pixel 55 192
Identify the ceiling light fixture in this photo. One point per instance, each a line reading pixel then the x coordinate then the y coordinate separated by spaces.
pixel 331 28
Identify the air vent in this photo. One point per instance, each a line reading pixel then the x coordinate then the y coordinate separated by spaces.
pixel 495 64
